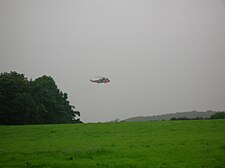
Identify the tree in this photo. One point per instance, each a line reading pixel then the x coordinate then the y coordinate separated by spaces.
pixel 54 101
pixel 219 115
pixel 16 102
pixel 33 102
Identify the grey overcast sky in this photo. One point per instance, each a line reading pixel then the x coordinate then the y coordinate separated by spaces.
pixel 162 56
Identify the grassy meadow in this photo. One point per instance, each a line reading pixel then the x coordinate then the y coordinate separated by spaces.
pixel 163 144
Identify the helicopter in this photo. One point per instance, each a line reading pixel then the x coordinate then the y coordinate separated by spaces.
pixel 99 80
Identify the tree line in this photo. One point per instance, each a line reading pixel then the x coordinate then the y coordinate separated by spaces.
pixel 38 101
pixel 218 115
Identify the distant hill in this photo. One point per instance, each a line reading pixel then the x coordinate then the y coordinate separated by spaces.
pixel 188 115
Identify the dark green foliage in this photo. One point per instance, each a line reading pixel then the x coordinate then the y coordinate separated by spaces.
pixel 33 102
pixel 16 103
pixel 185 118
pixel 219 115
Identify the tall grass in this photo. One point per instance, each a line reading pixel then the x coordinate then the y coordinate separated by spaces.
pixel 165 144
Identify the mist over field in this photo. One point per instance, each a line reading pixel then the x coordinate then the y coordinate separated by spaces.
pixel 162 56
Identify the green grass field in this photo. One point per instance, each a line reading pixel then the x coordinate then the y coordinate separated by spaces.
pixel 164 144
